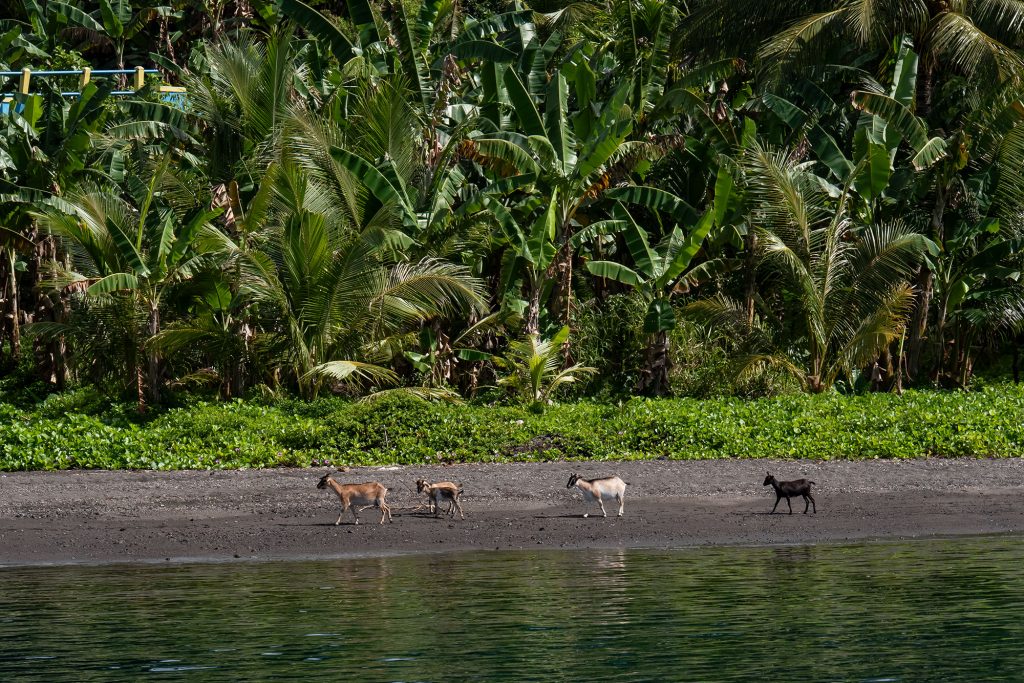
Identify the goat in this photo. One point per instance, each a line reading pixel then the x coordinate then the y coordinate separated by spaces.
pixel 786 489
pixel 444 490
pixel 370 494
pixel 605 488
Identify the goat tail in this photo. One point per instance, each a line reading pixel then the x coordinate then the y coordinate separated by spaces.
pixel 814 483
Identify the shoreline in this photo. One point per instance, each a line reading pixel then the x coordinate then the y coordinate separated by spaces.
pixel 93 517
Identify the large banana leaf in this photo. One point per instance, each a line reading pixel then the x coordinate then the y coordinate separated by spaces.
pixel 607 227
pixel 115 282
pixel 522 102
pixel 661 317
pixel 909 126
pixel 540 248
pixel 789 113
pixel 509 153
pixel 684 256
pixel 873 177
pixel 115 16
pixel 494 25
pixel 656 200
pixel 636 241
pixel 556 113
pixel 75 15
pixel 615 271
pixel 486 50
pixel 604 145
pixel 425 23
pixel 188 233
pixel 904 78
pixel 411 57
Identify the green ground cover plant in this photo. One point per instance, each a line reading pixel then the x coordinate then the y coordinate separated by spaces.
pixel 73 431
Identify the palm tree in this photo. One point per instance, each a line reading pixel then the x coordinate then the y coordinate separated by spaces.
pixel 974 38
pixel 334 295
pixel 535 368
pixel 132 247
pixel 847 283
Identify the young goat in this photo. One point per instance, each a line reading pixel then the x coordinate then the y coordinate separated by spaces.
pixel 605 488
pixel 444 490
pixel 370 494
pixel 787 489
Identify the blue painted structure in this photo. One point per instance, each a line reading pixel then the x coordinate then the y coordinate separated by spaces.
pixel 170 94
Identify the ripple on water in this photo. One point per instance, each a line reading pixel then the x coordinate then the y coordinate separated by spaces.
pixel 926 610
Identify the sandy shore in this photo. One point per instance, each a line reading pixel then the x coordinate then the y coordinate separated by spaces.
pixel 99 516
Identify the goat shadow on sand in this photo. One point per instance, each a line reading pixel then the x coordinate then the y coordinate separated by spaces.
pixel 578 515
pixel 781 514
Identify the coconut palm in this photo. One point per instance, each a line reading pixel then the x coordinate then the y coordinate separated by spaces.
pixel 132 246
pixel 847 283
pixel 332 296
pixel 974 38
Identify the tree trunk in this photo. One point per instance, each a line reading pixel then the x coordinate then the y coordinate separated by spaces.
pixel 51 357
pixel 925 88
pixel 10 327
pixel 153 378
pixel 533 310
pixel 140 391
pixel 14 311
pixel 654 381
pixel 234 384
pixel 925 286
pixel 750 277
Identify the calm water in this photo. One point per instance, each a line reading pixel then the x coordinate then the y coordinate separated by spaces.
pixel 926 610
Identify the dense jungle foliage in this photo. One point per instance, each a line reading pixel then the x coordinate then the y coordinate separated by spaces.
pixel 507 200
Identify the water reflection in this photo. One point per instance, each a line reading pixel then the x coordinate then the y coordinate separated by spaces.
pixel 935 610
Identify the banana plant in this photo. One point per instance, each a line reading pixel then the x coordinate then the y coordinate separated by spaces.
pixel 567 157
pixel 655 275
pixel 979 291
pixel 113 24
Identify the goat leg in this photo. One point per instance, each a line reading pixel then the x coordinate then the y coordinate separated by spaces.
pixel 790 505
pixel 777 499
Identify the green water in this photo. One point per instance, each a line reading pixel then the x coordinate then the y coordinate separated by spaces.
pixel 925 610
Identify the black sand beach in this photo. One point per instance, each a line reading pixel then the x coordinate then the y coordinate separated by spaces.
pixel 104 516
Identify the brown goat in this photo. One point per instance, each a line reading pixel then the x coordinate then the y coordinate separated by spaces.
pixel 353 495
pixel 444 490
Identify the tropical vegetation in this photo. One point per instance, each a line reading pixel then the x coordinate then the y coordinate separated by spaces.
pixel 507 202
pixel 79 430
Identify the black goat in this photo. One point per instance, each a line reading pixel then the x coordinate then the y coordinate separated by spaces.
pixel 786 489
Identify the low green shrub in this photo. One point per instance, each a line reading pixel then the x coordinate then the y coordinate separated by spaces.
pixel 400 430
